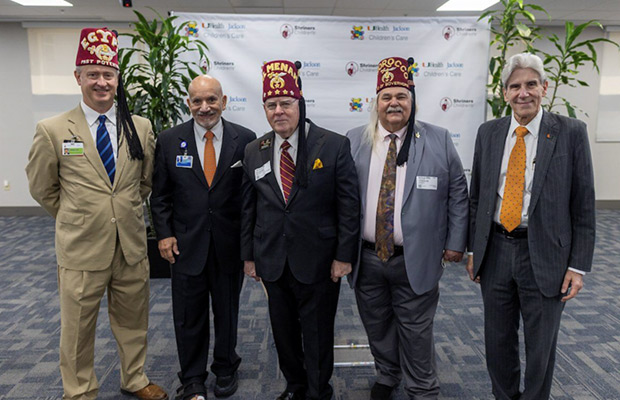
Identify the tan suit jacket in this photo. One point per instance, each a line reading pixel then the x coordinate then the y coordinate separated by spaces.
pixel 76 190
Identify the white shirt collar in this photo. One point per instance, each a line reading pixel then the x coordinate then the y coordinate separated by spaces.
pixel 533 127
pixel 218 131
pixel 293 140
pixel 384 133
pixel 92 116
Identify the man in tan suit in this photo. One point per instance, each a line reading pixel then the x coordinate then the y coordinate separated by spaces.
pixel 90 168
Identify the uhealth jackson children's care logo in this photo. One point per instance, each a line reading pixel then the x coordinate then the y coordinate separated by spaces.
pixel 356 104
pixel 191 29
pixel 357 33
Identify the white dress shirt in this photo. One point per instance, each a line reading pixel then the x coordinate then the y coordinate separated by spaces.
pixel 199 135
pixel 92 119
pixel 375 173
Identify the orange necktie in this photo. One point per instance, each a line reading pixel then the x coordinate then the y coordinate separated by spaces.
pixel 209 158
pixel 512 204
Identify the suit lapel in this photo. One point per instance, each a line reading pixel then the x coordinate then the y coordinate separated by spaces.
pixel 266 156
pixel 79 127
pixel 415 158
pixel 363 157
pixel 498 142
pixel 314 143
pixel 121 158
pixel 187 135
pixel 547 138
pixel 229 147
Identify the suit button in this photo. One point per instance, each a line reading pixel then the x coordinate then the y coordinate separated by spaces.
pixel 113 194
pixel 284 235
pixel 113 220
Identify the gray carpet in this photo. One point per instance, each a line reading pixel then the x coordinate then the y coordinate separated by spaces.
pixel 588 362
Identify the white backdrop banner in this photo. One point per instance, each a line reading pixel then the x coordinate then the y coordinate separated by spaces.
pixel 339 57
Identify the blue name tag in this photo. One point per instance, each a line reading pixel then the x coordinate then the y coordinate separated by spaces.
pixel 184 161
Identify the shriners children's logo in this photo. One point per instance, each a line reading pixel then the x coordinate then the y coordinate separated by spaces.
pixel 286 30
pixel 352 67
pixel 356 104
pixel 191 29
pixel 357 33
pixel 448 32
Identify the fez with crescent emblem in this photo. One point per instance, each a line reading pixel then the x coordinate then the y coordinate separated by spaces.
pixel 280 78
pixel 98 46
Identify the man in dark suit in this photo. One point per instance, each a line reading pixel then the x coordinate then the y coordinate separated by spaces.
pixel 411 183
pixel 299 230
pixel 196 205
pixel 532 228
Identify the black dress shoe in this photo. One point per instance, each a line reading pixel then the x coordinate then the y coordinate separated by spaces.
pixel 291 396
pixel 380 391
pixel 226 385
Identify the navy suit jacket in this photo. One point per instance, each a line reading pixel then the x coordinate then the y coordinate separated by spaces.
pixel 184 206
pixel 318 224
pixel 561 214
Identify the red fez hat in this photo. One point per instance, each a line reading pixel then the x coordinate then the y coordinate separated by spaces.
pixel 391 72
pixel 280 79
pixel 98 46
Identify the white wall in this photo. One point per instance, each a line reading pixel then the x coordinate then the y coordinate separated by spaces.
pixel 19 111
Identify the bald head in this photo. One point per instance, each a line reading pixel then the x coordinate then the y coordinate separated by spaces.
pixel 206 100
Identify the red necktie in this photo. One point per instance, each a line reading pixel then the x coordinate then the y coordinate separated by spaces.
pixel 209 157
pixel 287 170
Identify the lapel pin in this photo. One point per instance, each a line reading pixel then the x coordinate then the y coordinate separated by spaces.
pixel 417 135
pixel 265 144
pixel 549 136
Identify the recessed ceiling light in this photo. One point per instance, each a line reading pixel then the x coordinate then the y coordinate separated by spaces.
pixel 465 5
pixel 43 3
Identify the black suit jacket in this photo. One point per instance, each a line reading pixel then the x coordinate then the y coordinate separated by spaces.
pixel 561 214
pixel 319 223
pixel 184 206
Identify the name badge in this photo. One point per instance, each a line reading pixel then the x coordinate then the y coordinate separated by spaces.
pixel 72 148
pixel 184 161
pixel 260 172
pixel 426 182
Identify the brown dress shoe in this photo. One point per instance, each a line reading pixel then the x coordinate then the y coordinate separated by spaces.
pixel 150 392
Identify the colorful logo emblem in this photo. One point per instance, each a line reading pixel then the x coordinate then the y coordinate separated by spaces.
pixel 414 69
pixel 352 67
pixel 356 104
pixel 191 29
pixel 445 103
pixel 286 30
pixel 448 32
pixel 357 33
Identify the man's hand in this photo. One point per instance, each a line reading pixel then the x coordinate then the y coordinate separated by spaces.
pixel 470 269
pixel 340 269
pixel 168 248
pixel 249 268
pixel 452 256
pixel 572 281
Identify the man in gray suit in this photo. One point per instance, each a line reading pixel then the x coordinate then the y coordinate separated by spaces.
pixel 414 217
pixel 532 228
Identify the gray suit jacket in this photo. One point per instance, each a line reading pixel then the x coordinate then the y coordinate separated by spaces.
pixel 432 220
pixel 561 214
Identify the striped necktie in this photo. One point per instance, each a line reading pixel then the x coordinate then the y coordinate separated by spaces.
pixel 287 170
pixel 512 203
pixel 384 229
pixel 104 147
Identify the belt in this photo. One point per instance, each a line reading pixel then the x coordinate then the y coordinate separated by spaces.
pixel 398 250
pixel 517 233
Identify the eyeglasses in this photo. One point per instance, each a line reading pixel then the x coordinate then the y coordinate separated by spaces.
pixel 285 105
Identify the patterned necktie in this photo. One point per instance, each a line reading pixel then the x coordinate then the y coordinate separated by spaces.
pixel 512 204
pixel 209 158
pixel 384 230
pixel 104 147
pixel 287 170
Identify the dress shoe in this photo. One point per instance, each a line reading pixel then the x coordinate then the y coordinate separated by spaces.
pixel 226 385
pixel 291 396
pixel 149 392
pixel 380 391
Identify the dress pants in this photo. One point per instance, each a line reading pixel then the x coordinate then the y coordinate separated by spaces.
pixel 128 310
pixel 190 306
pixel 509 290
pixel 399 325
pixel 302 320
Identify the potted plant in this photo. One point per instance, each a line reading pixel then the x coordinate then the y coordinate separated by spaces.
pixel 156 76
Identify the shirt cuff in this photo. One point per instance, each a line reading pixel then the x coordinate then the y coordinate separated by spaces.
pixel 580 272
pixel 470 253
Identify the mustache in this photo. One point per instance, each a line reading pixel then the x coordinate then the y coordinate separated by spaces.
pixel 394 109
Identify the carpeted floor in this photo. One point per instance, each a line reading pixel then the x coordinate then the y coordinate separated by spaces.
pixel 588 362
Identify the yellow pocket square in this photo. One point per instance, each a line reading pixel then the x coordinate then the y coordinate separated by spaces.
pixel 317 164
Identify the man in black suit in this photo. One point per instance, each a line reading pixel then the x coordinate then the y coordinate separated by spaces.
pixel 299 230
pixel 532 228
pixel 196 204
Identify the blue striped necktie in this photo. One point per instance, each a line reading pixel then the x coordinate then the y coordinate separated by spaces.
pixel 104 147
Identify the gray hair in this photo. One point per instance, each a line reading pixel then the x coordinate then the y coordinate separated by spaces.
pixel 372 129
pixel 524 60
